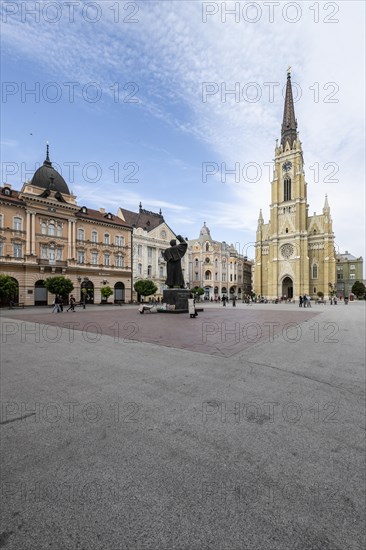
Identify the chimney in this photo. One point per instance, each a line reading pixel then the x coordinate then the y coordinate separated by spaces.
pixel 102 210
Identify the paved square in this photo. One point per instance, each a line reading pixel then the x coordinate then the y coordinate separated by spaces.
pixel 241 429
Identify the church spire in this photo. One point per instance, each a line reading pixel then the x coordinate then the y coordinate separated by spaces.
pixel 289 124
pixel 326 204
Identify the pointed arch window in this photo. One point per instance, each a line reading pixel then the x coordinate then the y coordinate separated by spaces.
pixel 287 189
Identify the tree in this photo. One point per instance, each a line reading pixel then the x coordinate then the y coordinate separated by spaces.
pixel 8 288
pixel 320 294
pixel 145 287
pixel 106 291
pixel 59 285
pixel 359 288
pixel 197 290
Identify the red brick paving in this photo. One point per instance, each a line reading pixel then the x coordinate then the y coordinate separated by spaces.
pixel 215 331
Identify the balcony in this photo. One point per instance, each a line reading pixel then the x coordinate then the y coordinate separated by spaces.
pixel 51 263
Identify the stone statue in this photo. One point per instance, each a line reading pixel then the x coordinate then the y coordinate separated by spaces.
pixel 173 256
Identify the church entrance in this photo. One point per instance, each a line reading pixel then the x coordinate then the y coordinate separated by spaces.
pixel 287 288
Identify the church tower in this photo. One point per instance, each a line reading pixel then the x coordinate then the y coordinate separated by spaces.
pixel 294 252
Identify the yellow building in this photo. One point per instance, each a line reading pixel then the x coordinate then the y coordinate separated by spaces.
pixel 44 233
pixel 294 251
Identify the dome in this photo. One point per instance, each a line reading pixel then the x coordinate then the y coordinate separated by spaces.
pixel 205 232
pixel 47 177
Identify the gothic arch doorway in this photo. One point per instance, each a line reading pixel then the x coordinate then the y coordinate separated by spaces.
pixel 287 287
pixel 87 291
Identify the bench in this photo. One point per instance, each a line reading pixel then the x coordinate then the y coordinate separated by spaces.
pixel 12 305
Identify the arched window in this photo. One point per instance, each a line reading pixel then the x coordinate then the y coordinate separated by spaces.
pixel 106 238
pixel 196 262
pixel 44 228
pixel 94 237
pixel 286 229
pixel 207 247
pixel 287 189
pixel 59 230
pixel 51 228
pixel 81 234
pixel 149 270
pixel 208 275
pixel 315 271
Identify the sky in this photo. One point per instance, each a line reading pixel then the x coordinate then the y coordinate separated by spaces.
pixel 178 104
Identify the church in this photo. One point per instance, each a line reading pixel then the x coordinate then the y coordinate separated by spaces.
pixel 295 252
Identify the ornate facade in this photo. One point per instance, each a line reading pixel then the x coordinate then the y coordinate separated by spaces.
pixel 151 235
pixel 294 251
pixel 217 267
pixel 44 232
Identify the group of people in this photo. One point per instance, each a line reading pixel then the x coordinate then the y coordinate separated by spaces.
pixel 304 301
pixel 58 306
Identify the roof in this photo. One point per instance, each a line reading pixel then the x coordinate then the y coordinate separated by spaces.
pixel 145 219
pixel 88 214
pixel 346 256
pixel 10 195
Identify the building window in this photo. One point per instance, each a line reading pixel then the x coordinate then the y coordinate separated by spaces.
pixel 161 271
pixel 17 248
pixel 94 237
pixel 94 258
pixel 149 270
pixel 106 238
pixel 51 229
pixel 119 261
pixel 106 259
pixel 287 189
pixel 1 221
pixel 314 289
pixel 44 251
pixel 139 269
pixel 44 228
pixel 1 248
pixel 81 256
pixel 51 254
pixel 17 224
pixel 224 277
pixel 352 267
pixel 139 249
pixel 119 240
pixel 196 263
pixel 207 247
pixel 315 271
pixel 59 230
pixel 81 234
pixel 352 276
pixel 196 275
pixel 59 254
pixel 339 276
pixel 231 277
pixel 208 275
pixel 149 252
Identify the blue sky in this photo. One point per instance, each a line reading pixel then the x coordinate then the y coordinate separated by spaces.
pixel 130 96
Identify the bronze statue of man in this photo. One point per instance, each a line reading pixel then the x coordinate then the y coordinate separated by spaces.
pixel 173 256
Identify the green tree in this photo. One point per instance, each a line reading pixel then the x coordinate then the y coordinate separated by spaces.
pixel 320 294
pixel 59 285
pixel 197 290
pixel 8 288
pixel 358 289
pixel 106 291
pixel 145 287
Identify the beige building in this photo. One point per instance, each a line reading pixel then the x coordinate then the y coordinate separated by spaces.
pixel 217 267
pixel 151 235
pixel 349 270
pixel 44 233
pixel 294 251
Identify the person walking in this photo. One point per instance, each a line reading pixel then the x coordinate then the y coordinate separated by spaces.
pixel 224 301
pixel 300 301
pixel 72 302
pixel 56 305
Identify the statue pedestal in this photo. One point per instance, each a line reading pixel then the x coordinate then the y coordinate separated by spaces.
pixel 177 297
